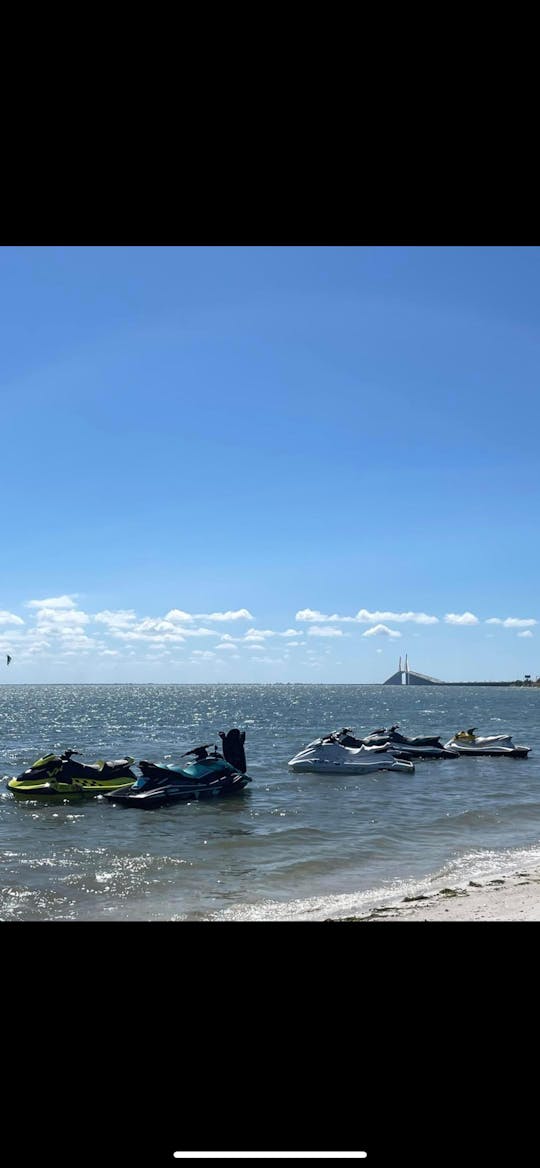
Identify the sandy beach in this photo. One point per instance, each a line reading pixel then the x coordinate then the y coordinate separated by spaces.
pixel 510 898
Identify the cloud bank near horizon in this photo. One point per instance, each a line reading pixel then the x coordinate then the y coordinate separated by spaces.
pixel 58 629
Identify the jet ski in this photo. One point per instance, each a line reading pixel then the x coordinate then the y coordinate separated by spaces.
pixel 399 744
pixel 209 775
pixel 56 777
pixel 468 742
pixel 326 756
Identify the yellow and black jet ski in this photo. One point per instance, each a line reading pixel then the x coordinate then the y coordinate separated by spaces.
pixel 469 742
pixel 54 778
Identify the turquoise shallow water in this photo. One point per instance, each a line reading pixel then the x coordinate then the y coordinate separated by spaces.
pixel 289 847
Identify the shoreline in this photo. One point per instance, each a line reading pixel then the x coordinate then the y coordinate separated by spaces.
pixel 505 898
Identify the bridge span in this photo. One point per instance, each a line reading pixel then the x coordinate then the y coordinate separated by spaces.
pixel 406 676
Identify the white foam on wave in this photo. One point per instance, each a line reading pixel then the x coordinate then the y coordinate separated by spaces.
pixel 479 865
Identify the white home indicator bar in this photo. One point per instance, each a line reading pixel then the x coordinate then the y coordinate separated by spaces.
pixel 270 1155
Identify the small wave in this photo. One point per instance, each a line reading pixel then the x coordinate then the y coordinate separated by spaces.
pixel 478 865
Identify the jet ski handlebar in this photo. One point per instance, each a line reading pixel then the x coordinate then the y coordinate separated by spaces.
pixel 68 753
pixel 199 751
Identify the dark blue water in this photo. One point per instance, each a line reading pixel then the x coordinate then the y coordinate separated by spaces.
pixel 290 846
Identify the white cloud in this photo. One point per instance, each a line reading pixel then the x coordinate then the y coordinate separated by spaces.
pixel 465 618
pixel 62 617
pixel 512 622
pixel 152 635
pixel 239 614
pixel 527 633
pixel 203 653
pixel 177 614
pixel 199 633
pixel 381 630
pixel 251 637
pixel 225 645
pixel 363 616
pixel 156 630
pixel 118 619
pixel 76 640
pixel 152 624
pixel 312 614
pixel 316 631
pixel 420 618
pixel 65 625
pixel 53 602
pixel 9 618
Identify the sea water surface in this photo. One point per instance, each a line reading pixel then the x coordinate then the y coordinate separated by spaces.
pixel 289 847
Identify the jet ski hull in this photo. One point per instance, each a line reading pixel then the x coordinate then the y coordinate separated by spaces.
pixel 492 751
pixel 182 792
pixel 313 767
pixel 422 753
pixel 328 757
pixel 51 791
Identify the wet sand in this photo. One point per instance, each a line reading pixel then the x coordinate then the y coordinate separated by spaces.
pixel 510 898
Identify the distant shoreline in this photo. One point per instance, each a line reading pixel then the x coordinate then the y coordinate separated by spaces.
pixel 514 684
pixel 350 684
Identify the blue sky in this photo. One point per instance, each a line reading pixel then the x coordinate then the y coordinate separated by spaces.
pixel 210 452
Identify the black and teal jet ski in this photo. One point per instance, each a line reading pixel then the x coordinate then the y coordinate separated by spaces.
pixel 398 744
pixel 209 775
pixel 56 777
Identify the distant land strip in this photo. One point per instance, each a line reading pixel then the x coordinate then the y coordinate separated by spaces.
pixel 522 684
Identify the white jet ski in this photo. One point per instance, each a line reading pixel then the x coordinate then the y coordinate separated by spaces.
pixel 328 757
pixel 468 742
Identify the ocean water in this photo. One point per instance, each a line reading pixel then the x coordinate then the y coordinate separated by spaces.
pixel 290 847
